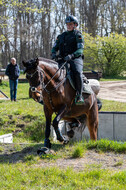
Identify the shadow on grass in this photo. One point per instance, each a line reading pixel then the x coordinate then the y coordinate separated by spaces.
pixel 18 99
pixel 3 100
pixel 9 154
pixel 23 98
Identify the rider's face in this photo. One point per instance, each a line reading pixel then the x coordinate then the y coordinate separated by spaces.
pixel 70 26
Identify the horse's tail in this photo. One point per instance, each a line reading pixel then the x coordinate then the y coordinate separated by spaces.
pixel 99 103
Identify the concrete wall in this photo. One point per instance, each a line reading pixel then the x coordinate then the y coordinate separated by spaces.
pixel 112 126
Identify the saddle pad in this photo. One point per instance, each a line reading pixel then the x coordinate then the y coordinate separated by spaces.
pixel 86 87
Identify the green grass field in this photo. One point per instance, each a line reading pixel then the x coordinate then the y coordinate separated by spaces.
pixel 20 167
pixel 28 177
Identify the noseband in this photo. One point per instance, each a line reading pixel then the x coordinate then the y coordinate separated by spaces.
pixel 34 88
pixel 32 74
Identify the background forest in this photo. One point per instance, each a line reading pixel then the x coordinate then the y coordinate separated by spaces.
pixel 29 28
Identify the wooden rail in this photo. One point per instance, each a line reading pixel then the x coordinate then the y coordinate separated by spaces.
pixel 93 75
pixel 2 74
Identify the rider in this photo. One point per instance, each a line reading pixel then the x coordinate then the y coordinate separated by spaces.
pixel 70 46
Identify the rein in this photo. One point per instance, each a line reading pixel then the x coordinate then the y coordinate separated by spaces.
pixel 44 87
pixel 55 75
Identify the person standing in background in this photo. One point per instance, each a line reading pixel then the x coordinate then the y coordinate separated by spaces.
pixel 13 72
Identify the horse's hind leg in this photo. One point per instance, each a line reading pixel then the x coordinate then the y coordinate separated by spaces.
pixel 92 120
pixel 56 122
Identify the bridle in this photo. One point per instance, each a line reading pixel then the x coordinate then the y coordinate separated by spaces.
pixel 42 85
pixel 41 81
pixel 32 74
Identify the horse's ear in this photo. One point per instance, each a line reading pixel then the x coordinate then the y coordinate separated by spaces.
pixel 24 63
pixel 37 61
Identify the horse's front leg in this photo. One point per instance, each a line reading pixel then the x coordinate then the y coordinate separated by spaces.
pixel 56 120
pixel 48 116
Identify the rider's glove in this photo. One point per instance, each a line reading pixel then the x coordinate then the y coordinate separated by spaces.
pixel 53 56
pixel 69 57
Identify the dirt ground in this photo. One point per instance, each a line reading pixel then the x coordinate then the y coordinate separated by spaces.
pixel 113 90
pixel 91 159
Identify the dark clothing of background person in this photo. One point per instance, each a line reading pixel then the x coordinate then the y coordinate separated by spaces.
pixel 13 72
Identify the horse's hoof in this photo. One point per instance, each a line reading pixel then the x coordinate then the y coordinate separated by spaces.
pixel 61 139
pixel 66 139
pixel 43 150
pixel 70 133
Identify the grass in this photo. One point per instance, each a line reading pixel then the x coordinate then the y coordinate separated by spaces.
pixel 27 173
pixel 24 118
pixel 20 166
pixel 78 152
pixel 109 105
pixel 30 177
pixel 23 170
pixel 114 78
pixel 105 145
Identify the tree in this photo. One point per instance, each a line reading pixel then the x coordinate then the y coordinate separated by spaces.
pixel 29 28
pixel 107 54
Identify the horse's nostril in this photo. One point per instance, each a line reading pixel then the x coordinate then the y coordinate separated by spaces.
pixel 33 89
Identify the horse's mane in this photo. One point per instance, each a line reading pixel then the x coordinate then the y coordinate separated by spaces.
pixel 47 60
pixel 50 65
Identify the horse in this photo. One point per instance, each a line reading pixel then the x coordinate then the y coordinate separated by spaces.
pixel 46 79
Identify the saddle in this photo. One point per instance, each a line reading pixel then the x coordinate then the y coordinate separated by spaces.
pixel 68 74
pixel 86 87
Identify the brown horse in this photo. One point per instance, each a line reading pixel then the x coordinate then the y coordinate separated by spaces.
pixel 58 96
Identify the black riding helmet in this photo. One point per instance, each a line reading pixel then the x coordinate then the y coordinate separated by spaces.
pixel 71 18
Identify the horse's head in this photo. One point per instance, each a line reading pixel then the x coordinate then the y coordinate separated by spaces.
pixel 32 71
pixel 30 65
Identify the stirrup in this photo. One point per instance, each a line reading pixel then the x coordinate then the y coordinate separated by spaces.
pixel 79 100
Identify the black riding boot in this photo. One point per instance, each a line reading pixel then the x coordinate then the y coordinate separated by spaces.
pixel 79 87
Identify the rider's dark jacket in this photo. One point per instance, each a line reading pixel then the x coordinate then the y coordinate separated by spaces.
pixel 69 42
